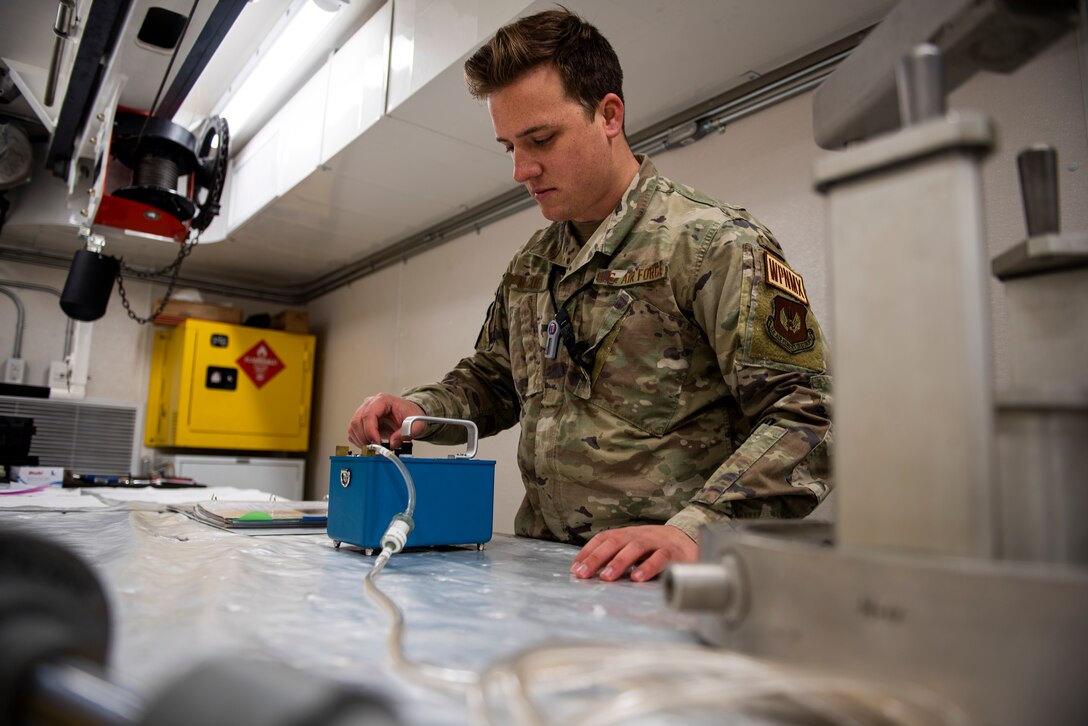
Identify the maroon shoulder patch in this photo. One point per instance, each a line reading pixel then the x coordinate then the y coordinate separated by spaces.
pixel 787 325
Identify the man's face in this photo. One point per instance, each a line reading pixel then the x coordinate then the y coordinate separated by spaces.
pixel 561 155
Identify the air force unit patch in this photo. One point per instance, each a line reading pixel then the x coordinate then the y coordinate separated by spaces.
pixel 787 325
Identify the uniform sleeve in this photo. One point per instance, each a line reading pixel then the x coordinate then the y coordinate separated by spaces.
pixel 480 388
pixel 771 354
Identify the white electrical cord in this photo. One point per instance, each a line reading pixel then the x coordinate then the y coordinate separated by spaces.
pixel 393 542
pixel 379 449
pixel 431 675
pixel 625 683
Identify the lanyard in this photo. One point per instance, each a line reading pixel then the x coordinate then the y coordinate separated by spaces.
pixel 560 326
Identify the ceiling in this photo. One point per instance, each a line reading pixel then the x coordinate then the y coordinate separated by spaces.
pixel 432 155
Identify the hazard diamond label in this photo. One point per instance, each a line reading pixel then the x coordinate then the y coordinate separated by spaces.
pixel 260 363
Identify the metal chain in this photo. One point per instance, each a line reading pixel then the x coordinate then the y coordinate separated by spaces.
pixel 213 187
pixel 173 269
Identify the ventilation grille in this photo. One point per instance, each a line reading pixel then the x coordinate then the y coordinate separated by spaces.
pixel 84 437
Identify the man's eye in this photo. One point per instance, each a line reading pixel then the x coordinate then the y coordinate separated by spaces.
pixel 508 149
pixel 543 141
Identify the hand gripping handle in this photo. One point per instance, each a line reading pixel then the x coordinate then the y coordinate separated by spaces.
pixel 473 432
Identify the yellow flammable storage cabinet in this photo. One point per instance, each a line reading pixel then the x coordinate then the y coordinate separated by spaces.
pixel 223 386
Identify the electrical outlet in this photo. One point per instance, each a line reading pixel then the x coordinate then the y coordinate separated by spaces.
pixel 58 374
pixel 14 370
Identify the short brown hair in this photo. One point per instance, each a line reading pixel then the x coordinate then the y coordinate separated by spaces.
pixel 585 60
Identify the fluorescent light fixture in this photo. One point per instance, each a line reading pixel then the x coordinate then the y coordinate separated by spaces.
pixel 403 53
pixel 284 53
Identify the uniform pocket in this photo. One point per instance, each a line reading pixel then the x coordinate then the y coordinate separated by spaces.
pixel 526 342
pixel 642 362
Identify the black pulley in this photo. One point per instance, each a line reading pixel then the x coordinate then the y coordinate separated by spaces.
pixel 136 136
pixel 90 282
pixel 52 608
pixel 159 152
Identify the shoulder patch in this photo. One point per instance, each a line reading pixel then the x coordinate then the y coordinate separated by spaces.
pixel 777 328
pixel 779 274
pixel 787 325
pixel 632 276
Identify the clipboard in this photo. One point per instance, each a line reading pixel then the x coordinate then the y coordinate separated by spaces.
pixel 260 515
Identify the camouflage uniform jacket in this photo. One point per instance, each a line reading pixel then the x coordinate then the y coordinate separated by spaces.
pixel 703 392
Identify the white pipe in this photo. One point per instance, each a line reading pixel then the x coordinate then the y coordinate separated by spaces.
pixel 20 322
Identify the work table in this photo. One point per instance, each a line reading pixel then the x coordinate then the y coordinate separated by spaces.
pixel 182 592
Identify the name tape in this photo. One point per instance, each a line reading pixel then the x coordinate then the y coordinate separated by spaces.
pixel 781 276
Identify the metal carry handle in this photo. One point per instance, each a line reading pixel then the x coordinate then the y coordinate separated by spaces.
pixel 473 432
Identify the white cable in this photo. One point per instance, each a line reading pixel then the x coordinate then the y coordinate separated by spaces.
pixel 379 449
pixel 644 680
pixel 435 676
pixel 649 680
pixel 657 680
pixel 393 542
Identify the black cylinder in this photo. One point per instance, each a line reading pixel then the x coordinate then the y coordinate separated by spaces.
pixel 88 287
pixel 52 610
pixel 158 172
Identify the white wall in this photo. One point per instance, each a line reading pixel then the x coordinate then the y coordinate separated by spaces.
pixel 120 348
pixel 408 324
pixel 43 338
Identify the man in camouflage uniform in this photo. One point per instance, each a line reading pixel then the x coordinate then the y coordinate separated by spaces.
pixel 653 343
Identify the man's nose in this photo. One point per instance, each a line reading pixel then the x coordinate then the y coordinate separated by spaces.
pixel 525 167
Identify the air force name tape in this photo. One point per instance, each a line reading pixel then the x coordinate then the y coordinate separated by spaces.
pixel 622 278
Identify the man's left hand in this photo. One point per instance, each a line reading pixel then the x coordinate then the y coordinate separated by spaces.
pixel 651 546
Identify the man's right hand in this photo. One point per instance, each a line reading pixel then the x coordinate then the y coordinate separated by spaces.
pixel 380 417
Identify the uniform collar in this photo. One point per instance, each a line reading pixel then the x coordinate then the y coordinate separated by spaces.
pixel 557 245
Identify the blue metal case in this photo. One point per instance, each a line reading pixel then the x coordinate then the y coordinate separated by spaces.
pixel 454 500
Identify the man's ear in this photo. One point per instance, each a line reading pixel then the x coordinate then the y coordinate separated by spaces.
pixel 611 110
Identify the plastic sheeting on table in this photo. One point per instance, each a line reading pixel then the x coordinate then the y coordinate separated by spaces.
pixel 64 499
pixel 182 592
